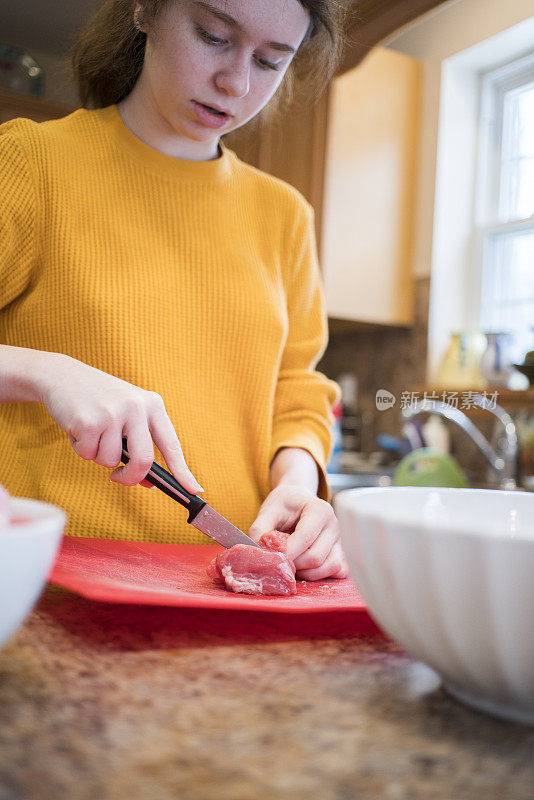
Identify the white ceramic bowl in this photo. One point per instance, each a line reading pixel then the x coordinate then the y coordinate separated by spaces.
pixel 27 552
pixel 449 574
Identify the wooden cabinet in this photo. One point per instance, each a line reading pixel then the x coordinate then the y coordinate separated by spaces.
pixel 369 193
pixel 18 105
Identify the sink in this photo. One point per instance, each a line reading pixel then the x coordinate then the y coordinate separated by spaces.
pixel 356 480
pixel 361 480
pixel 338 481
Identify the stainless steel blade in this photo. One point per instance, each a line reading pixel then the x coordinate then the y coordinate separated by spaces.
pixel 217 527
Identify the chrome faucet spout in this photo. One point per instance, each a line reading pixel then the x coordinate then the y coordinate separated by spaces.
pixel 503 462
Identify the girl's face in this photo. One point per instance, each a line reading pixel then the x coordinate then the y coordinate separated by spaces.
pixel 211 66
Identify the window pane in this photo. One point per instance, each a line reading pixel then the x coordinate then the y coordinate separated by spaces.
pixel 526 117
pixel 517 165
pixel 508 288
pixel 525 190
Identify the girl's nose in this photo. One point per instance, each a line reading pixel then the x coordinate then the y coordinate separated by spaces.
pixel 234 78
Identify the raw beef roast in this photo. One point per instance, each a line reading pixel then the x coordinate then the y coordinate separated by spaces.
pixel 249 570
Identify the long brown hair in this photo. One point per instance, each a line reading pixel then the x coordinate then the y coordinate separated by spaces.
pixel 108 57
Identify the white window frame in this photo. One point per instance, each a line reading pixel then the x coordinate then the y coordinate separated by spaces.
pixel 494 85
pixel 460 220
pixel 488 219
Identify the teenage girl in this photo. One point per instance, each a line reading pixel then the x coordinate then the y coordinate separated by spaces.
pixel 155 287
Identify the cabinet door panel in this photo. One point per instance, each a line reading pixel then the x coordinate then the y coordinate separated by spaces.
pixel 367 235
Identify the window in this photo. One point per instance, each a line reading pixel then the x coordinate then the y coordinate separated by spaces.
pixel 505 203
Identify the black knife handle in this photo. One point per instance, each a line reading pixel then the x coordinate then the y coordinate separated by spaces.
pixel 167 483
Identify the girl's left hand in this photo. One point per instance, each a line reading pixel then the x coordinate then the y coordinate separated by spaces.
pixel 314 544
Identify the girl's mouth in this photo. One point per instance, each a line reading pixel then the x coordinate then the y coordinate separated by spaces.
pixel 209 116
pixel 214 110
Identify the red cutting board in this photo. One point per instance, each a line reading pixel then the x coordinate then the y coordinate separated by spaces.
pixel 175 575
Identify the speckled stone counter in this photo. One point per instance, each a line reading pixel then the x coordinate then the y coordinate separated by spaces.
pixel 107 702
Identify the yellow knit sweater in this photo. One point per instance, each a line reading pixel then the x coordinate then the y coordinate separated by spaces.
pixel 196 280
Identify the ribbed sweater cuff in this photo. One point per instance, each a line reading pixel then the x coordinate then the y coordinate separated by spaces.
pixel 306 440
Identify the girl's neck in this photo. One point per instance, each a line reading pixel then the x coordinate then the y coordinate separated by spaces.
pixel 143 119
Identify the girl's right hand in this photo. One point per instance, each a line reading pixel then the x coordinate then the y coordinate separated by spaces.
pixel 97 410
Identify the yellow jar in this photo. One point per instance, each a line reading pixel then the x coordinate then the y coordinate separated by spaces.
pixel 460 368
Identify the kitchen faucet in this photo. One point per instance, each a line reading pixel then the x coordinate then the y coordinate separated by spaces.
pixel 503 462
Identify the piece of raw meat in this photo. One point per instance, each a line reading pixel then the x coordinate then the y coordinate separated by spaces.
pixel 275 540
pixel 248 570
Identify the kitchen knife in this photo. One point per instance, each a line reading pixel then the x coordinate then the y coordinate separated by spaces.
pixel 201 515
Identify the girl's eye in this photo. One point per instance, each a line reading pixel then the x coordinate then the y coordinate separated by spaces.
pixel 267 64
pixel 208 37
pixel 217 41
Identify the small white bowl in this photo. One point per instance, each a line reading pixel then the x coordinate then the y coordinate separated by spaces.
pixel 28 548
pixel 449 574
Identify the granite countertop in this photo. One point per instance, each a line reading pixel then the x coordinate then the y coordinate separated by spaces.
pixel 105 702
